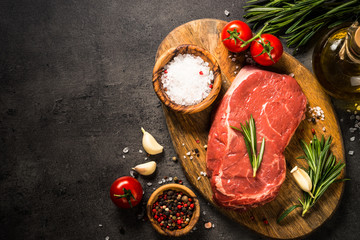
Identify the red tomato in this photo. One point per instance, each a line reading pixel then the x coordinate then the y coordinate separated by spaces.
pixel 126 192
pixel 262 50
pixel 233 35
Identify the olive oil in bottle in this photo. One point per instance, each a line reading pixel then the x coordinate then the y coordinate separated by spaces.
pixel 336 62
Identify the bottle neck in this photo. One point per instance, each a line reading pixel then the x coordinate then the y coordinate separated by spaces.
pixel 352 43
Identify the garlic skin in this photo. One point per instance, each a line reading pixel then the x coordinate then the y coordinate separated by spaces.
pixel 149 143
pixel 302 179
pixel 146 168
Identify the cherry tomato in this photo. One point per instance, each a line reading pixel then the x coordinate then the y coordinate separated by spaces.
pixel 233 35
pixel 262 50
pixel 126 192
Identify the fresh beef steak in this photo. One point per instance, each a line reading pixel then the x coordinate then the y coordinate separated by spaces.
pixel 277 104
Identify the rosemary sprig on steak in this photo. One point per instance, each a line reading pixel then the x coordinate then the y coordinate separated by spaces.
pixel 249 132
pixel 323 171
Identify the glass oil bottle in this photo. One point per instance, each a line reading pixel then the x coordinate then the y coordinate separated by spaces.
pixel 336 62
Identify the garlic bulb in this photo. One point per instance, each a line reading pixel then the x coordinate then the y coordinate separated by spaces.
pixel 149 143
pixel 302 179
pixel 146 168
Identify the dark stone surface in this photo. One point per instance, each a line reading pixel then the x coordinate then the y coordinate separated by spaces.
pixel 75 88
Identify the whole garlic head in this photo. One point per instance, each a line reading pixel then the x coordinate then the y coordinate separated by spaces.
pixel 149 143
pixel 302 179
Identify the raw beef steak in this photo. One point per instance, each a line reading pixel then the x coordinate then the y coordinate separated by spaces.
pixel 277 104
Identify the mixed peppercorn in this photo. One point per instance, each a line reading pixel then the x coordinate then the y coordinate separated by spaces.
pixel 173 210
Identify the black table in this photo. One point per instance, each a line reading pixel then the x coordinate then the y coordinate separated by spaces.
pixel 75 90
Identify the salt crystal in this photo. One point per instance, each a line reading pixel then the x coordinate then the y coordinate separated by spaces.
pixel 187 79
pixel 126 150
pixel 198 178
pixel 149 184
pixel 348 110
pixel 341 120
pixel 183 144
pixel 227 13
pixel 170 179
pixel 233 59
pixel 184 157
pixel 123 156
pixel 351 153
pixel 140 151
pixel 213 225
pixel 352 130
pixel 235 72
pixel 100 225
pixel 160 182
pixel 191 157
pixel 236 67
pixel 188 153
pixel 204 213
pixel 324 129
pixel 292 75
pixel 145 158
pixel 107 238
pixel 352 139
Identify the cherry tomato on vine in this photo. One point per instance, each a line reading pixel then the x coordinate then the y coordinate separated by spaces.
pixel 266 51
pixel 126 192
pixel 234 34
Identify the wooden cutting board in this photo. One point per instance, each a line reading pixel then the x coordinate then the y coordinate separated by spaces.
pixel 189 132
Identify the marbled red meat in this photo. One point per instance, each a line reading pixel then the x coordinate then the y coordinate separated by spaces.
pixel 278 105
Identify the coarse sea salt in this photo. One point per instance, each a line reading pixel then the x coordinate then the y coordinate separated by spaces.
pixel 187 79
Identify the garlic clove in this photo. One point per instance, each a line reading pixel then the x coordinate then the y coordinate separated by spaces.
pixel 149 143
pixel 146 168
pixel 302 179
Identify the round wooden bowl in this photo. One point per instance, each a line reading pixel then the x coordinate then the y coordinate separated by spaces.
pixel 177 187
pixel 166 57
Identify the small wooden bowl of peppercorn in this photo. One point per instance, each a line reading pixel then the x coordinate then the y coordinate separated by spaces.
pixel 190 86
pixel 173 210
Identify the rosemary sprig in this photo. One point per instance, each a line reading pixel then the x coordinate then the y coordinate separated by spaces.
pixel 249 132
pixel 323 171
pixel 300 20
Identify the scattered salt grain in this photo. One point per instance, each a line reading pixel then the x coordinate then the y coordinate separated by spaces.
pixel 227 13
pixel 352 139
pixel 160 182
pixel 351 153
pixel 149 184
pixel 145 158
pixel 204 213
pixel 100 225
pixel 292 75
pixel 107 238
pixel 188 153
pixel 184 157
pixel 140 151
pixel 191 157
pixel 183 144
pixel 341 120
pixel 198 178
pixel 236 67
pixel 348 110
pixel 235 72
pixel 352 129
pixel 126 150
pixel 324 129
pixel 213 225
pixel 186 79
pixel 233 59
pixel 170 179
pixel 123 156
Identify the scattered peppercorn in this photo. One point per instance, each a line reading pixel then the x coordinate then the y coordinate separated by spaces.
pixel 313 131
pixel 175 212
pixel 313 120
